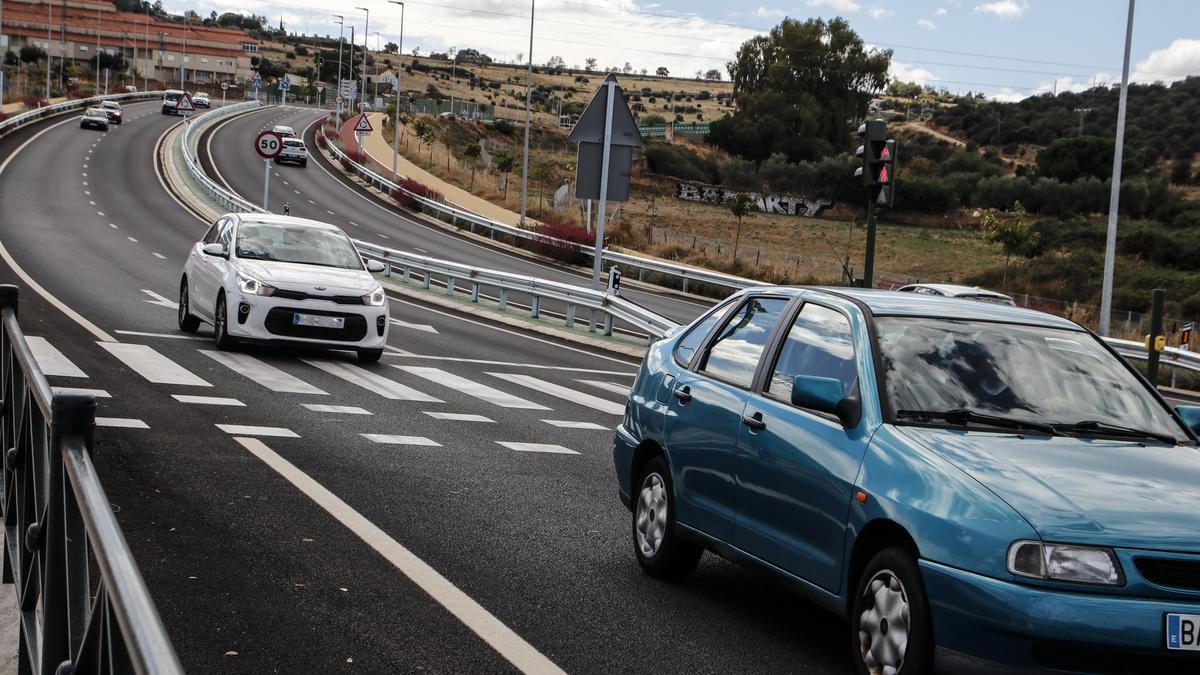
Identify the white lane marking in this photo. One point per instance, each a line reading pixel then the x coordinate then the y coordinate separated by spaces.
pixel 97 393
pixel 383 236
pixel 458 417
pixel 329 212
pixel 157 299
pixel 134 241
pixel 250 430
pixel 370 381
pixel 207 400
pixel 153 366
pixel 538 447
pixel 471 388
pixel 615 388
pixel 565 393
pixel 353 223
pixel 312 202
pixel 339 409
pixel 567 424
pixel 113 226
pixel 85 174
pixel 121 423
pixel 473 615
pixel 417 248
pixel 415 326
pixel 160 256
pixel 400 353
pixel 387 439
pixel 263 373
pixel 85 166
pixel 85 191
pixel 100 213
pixel 286 183
pixel 92 203
pixel 52 362
pixel 174 336
pixel 296 191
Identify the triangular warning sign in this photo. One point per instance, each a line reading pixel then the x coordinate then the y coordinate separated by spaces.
pixel 363 126
pixel 589 128
pixel 185 104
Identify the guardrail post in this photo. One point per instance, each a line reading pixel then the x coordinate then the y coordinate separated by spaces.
pixel 591 321
pixel 475 292
pixel 407 274
pixel 570 316
pixel 608 324
pixel 425 279
pixel 387 269
pixel 449 285
pixel 503 299
pixel 536 306
pixel 685 285
pixel 642 274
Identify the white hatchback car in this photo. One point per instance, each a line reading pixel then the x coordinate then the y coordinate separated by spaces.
pixel 284 130
pixel 280 279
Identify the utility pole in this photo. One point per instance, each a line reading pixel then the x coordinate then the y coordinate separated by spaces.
pixel 341 30
pixel 366 50
pixel 1082 112
pixel 528 101
pixel 1110 246
pixel 183 63
pixel 350 57
pixel 49 59
pixel 98 46
pixel 399 69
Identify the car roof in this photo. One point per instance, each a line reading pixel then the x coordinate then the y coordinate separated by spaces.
pixel 271 219
pixel 94 109
pixel 282 126
pixel 202 93
pixel 109 103
pixel 173 91
pixel 958 289
pixel 293 141
pixel 895 303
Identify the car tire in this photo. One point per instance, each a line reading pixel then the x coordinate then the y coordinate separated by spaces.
pixel 221 324
pixel 660 551
pixel 188 322
pixel 877 645
pixel 369 355
pixel 303 163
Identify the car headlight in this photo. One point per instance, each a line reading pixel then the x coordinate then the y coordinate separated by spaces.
pixel 252 286
pixel 1065 562
pixel 375 298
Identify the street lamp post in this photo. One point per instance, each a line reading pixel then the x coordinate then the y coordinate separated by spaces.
pixel 98 48
pixel 1110 245
pixel 528 101
pixel 341 30
pixel 378 42
pixel 399 69
pixel 366 50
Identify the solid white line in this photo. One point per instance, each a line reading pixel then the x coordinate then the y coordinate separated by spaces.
pixel 207 400
pixel 386 439
pixel 250 430
pixel 340 409
pixel 400 353
pixel 98 393
pixel 153 366
pixel 566 393
pixel 52 362
pixel 615 388
pixel 567 424
pixel 121 423
pixel 372 382
pixel 173 336
pixel 415 326
pixel 458 417
pixel 471 388
pixel 263 373
pixel 538 447
pixel 474 616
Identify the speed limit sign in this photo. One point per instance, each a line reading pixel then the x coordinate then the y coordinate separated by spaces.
pixel 224 86
pixel 268 144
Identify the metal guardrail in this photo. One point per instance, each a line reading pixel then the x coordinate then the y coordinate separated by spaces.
pixel 228 199
pixel 1171 356
pixel 56 520
pixel 45 111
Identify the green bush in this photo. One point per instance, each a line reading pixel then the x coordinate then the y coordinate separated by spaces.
pixel 679 162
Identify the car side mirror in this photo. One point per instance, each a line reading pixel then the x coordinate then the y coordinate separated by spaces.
pixel 214 249
pixel 824 394
pixel 1190 414
pixel 374 266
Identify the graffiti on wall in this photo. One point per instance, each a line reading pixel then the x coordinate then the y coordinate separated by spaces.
pixel 789 205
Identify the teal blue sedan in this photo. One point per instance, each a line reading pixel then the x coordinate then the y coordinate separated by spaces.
pixel 976 488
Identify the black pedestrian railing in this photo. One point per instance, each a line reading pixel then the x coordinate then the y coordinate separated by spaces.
pixel 58 523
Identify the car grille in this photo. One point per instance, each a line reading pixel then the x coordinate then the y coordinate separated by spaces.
pixel 1077 659
pixel 279 322
pixel 1170 572
pixel 301 295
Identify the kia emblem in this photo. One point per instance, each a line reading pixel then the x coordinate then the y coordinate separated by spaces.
pixel 319 288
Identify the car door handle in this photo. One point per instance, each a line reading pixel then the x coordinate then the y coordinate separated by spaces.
pixel 755 421
pixel 684 394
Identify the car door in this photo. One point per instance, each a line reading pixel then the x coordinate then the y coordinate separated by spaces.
pixel 705 411
pixel 210 269
pixel 796 467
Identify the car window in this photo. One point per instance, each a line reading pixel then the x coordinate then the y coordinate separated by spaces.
pixel 734 355
pixel 210 237
pixel 307 245
pixel 225 234
pixel 690 342
pixel 819 344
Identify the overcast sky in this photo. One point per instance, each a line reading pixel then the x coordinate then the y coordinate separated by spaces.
pixel 1008 49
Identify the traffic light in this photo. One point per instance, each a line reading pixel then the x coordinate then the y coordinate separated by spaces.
pixel 878 154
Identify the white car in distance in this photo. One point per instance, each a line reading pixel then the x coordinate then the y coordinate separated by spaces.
pixel 266 278
pixel 284 130
pixel 294 152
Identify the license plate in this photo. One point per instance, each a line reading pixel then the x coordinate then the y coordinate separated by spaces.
pixel 318 321
pixel 1183 631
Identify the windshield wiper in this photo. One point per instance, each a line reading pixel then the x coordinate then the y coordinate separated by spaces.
pixel 962 416
pixel 1115 430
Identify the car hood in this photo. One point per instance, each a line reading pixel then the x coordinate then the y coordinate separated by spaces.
pixel 295 276
pixel 1084 490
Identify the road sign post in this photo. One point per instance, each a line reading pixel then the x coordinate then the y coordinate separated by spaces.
pixel 224 88
pixel 362 128
pixel 185 106
pixel 268 145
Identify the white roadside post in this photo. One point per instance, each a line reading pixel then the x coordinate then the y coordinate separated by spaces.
pixel 267 144
pixel 224 88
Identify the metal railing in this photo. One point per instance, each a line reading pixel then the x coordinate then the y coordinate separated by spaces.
pixel 1170 356
pixel 45 111
pixel 188 140
pixel 57 519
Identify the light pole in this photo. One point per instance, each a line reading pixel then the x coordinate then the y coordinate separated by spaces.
pixel 182 66
pixel 49 59
pixel 1110 246
pixel 366 50
pixel 341 30
pixel 378 41
pixel 399 69
pixel 149 58
pixel 98 47
pixel 528 100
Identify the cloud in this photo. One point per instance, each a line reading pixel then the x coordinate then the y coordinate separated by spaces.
pixel 926 24
pixel 908 73
pixel 769 12
pixel 1056 86
pixel 836 5
pixel 1005 9
pixel 1175 62
pixel 940 11
pixel 879 12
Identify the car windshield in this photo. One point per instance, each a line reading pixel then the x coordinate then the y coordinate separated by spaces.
pixel 1029 374
pixel 95 112
pixel 113 105
pixel 296 244
pixel 173 96
pixel 293 143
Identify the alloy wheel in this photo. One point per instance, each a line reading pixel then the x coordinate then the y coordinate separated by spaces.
pixel 651 521
pixel 883 626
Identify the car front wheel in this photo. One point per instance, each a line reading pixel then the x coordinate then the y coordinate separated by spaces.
pixel 659 549
pixel 889 626
pixel 369 355
pixel 187 322
pixel 221 324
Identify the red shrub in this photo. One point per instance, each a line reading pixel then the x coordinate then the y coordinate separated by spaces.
pixel 409 187
pixel 561 241
pixel 33 101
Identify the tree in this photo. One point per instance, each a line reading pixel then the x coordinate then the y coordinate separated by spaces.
pixel 472 153
pixel 422 129
pixel 662 71
pixel 556 62
pixel 472 56
pixel 543 172
pixel 643 72
pixel 301 50
pixel 1068 159
pixel 1013 235
pixel 799 90
pixel 589 63
pixel 11 58
pixel 32 54
pixel 391 48
pixel 713 74
pixel 739 205
pixel 504 162
pixel 628 68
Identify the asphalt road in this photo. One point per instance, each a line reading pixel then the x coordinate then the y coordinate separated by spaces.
pixel 294 552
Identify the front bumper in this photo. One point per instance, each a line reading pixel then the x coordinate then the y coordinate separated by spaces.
pixel 986 620
pixel 268 319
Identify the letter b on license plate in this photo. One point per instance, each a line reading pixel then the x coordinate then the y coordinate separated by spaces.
pixel 1183 631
